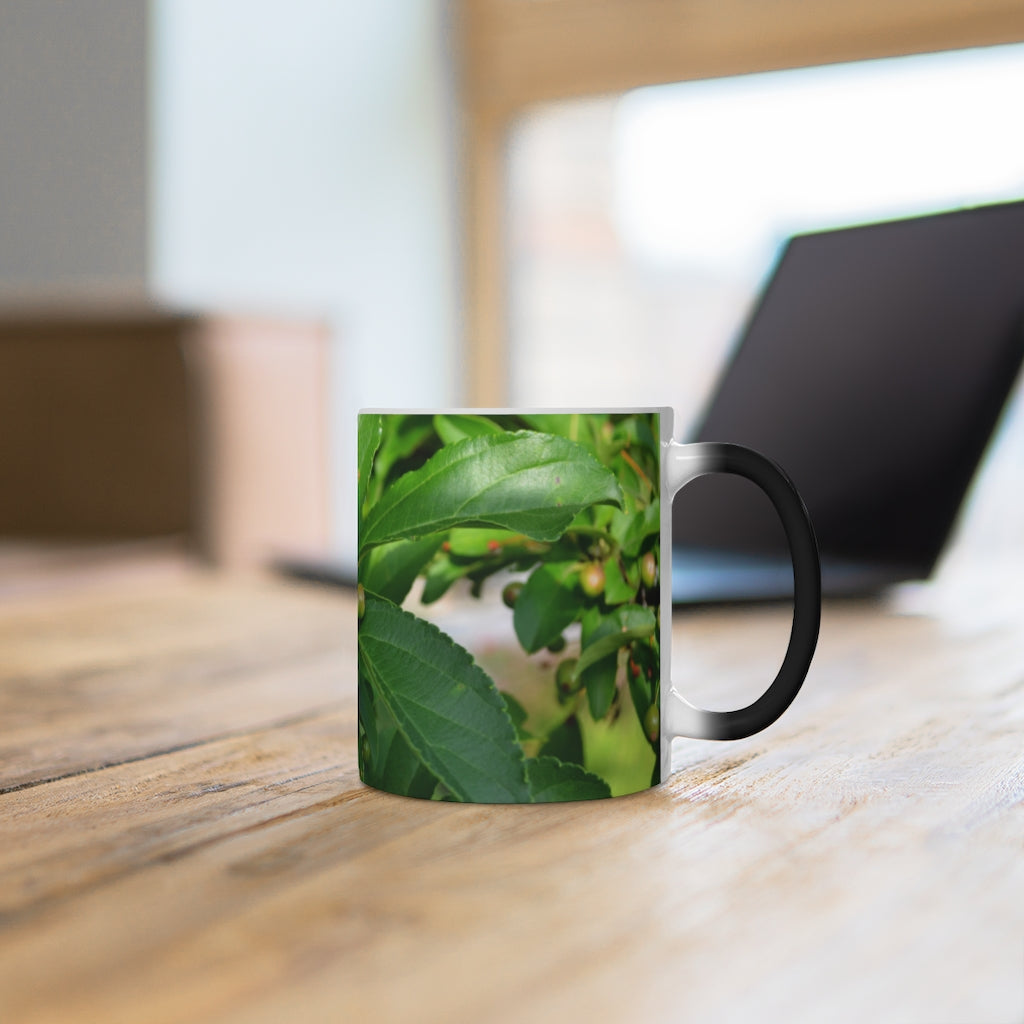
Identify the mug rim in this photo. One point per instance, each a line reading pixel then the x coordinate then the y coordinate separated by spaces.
pixel 509 410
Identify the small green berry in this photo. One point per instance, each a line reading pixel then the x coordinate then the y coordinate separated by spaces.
pixel 556 645
pixel 652 723
pixel 564 676
pixel 649 569
pixel 592 579
pixel 511 593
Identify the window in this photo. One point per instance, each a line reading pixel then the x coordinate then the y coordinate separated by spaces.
pixel 641 226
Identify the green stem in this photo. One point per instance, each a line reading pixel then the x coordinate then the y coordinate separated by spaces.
pixel 639 472
pixel 593 531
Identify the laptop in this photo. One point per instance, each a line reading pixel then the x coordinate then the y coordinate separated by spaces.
pixel 873 369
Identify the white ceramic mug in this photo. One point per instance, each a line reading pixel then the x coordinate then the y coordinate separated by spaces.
pixel 547 529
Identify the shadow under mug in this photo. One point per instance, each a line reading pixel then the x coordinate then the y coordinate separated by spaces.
pixel 514 611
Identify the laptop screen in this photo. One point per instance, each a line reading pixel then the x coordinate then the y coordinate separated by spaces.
pixel 873 370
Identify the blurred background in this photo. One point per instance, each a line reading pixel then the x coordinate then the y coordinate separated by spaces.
pixel 225 226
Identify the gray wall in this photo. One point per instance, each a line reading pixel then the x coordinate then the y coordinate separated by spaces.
pixel 73 148
pixel 304 161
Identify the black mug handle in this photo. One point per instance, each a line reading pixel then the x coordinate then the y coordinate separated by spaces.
pixel 686 462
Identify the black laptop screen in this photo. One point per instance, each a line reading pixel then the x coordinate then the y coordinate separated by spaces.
pixel 873 370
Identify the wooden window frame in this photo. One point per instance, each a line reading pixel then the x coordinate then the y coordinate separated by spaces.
pixel 514 54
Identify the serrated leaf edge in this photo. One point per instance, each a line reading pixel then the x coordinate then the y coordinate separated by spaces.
pixel 478 444
pixel 498 703
pixel 571 766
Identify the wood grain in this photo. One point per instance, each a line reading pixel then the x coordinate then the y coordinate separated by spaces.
pixel 183 664
pixel 861 860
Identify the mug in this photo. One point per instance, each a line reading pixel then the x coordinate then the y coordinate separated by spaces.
pixel 514 606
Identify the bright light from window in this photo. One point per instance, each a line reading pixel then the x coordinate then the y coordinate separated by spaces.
pixel 642 226
pixel 716 174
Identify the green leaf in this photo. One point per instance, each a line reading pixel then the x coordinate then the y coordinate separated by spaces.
pixel 552 780
pixel 617 588
pixel 389 570
pixel 369 438
pixel 640 431
pixel 392 765
pixel 527 482
pixel 456 428
pixel 641 525
pixel 602 639
pixel 402 435
pixel 582 427
pixel 561 424
pixel 628 479
pixel 444 570
pixel 441 574
pixel 565 742
pixel 614 631
pixel 620 522
pixel 547 604
pixel 518 714
pixel 599 680
pixel 474 542
pixel 447 709
pixel 402 771
pixel 367 724
pixel 642 684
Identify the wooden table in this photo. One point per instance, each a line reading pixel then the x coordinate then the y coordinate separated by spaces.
pixel 185 837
